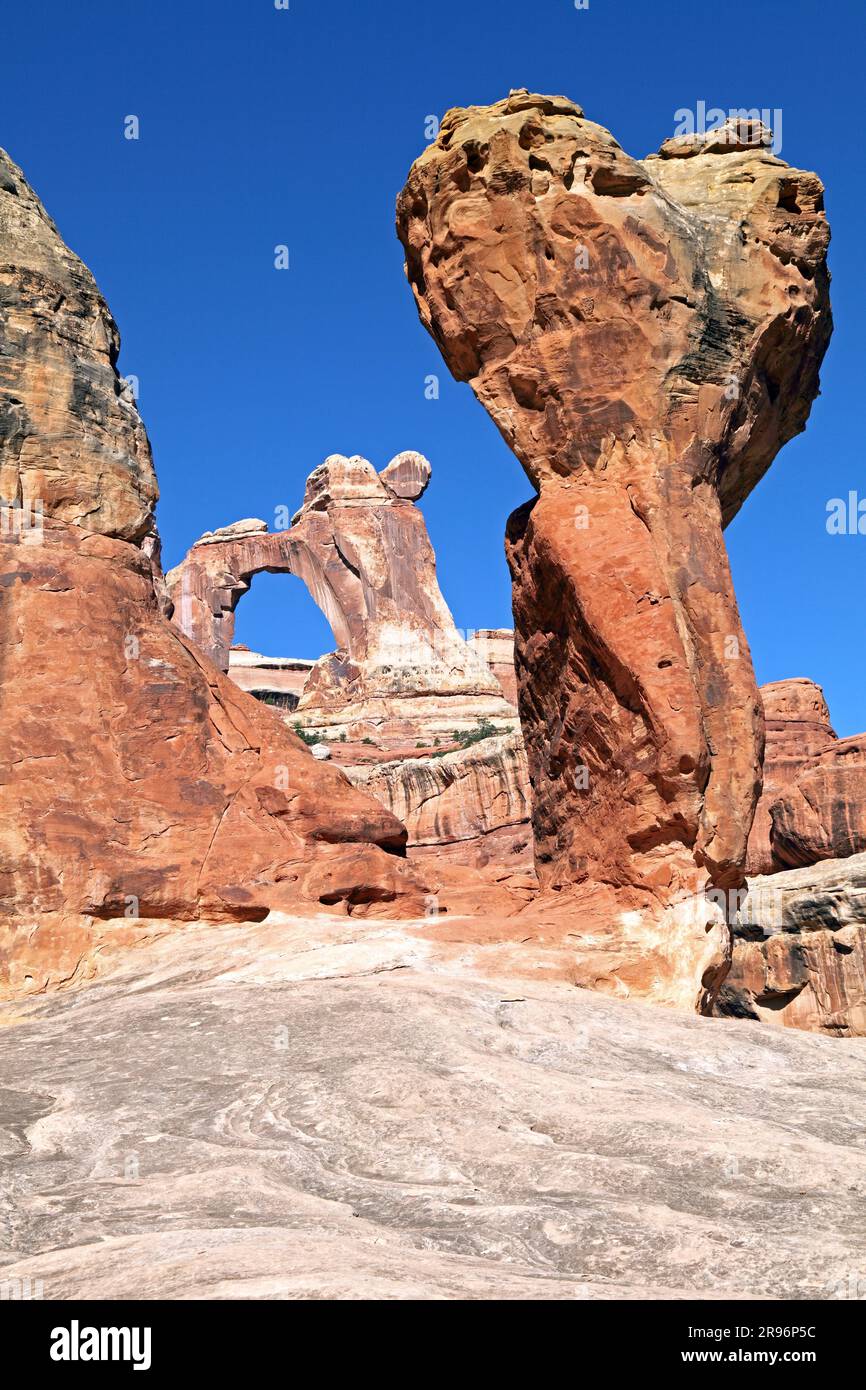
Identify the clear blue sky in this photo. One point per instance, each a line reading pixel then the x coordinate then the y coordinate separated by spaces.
pixel 261 127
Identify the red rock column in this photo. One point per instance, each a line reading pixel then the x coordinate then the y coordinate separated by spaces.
pixel 646 335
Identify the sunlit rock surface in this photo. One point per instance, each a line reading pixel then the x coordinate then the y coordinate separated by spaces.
pixel 338 1110
pixel 137 778
pixel 646 335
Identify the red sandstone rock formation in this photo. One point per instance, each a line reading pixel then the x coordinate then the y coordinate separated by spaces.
pixel 403 676
pixel 800 950
pixel 813 804
pixel 646 336
pixel 823 815
pixel 496 646
pixel 473 800
pixel 137 779
pixel 798 727
pixel 361 546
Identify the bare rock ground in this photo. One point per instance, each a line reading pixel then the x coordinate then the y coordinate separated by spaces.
pixel 341 1109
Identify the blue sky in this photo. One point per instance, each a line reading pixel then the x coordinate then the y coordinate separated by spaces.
pixel 261 127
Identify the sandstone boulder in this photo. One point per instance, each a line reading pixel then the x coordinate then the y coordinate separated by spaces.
pixel 646 335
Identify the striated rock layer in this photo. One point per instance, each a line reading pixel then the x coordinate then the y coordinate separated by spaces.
pixel 798 726
pixel 283 677
pixel 137 779
pixel 813 803
pixel 646 335
pixel 476 798
pixel 361 547
pixel 496 646
pixel 357 1114
pixel 800 950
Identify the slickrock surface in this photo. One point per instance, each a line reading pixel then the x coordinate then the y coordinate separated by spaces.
pixel 137 778
pixel 337 1110
pixel 462 798
pixel 798 727
pixel 646 335
pixel 800 949
pixel 361 546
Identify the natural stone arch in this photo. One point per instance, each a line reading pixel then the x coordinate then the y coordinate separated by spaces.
pixel 361 546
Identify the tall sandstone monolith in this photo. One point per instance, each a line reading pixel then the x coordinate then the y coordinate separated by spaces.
pixel 646 334
pixel 138 781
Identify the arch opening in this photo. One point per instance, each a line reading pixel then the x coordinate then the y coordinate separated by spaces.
pixel 279 634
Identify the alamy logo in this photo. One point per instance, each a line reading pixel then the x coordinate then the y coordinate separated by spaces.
pixel 739 123
pixel 77 1343
pixel 847 516
pixel 24 1289
pixel 22 520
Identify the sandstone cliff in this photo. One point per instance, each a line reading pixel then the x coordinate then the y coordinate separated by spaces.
pixel 474 800
pixel 823 815
pixel 798 726
pixel 813 803
pixel 800 950
pixel 139 781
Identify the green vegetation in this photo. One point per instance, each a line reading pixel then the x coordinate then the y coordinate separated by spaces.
pixel 309 736
pixel 464 738
pixel 484 729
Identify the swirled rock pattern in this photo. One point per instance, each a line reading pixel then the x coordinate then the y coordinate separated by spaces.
pixel 646 335
pixel 346 1110
pixel 137 779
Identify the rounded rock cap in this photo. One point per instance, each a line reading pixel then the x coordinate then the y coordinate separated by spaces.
pixel 407 475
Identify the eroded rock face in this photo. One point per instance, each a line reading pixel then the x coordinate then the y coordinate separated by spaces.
pixel 71 438
pixel 646 335
pixel 823 815
pixel 361 547
pixel 476 798
pixel 798 727
pixel 800 950
pixel 496 646
pixel 280 678
pixel 813 803
pixel 137 780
